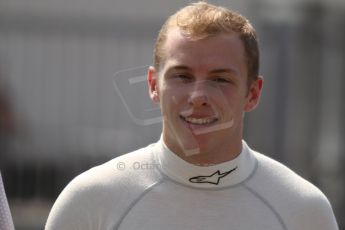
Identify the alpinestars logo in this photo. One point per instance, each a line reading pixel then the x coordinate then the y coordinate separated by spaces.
pixel 214 178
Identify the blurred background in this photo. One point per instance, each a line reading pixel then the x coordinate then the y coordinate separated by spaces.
pixel 60 113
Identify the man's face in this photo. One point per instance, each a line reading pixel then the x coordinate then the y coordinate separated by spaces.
pixel 203 93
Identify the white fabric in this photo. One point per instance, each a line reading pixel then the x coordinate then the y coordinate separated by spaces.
pixel 181 171
pixel 151 188
pixel 5 214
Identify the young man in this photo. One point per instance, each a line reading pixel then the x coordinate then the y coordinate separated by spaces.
pixel 200 174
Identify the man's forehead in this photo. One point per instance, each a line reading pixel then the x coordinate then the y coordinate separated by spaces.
pixel 176 39
pixel 179 47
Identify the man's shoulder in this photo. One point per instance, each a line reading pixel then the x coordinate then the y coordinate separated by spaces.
pixel 293 196
pixel 119 178
pixel 289 191
pixel 108 188
pixel 122 170
pixel 278 174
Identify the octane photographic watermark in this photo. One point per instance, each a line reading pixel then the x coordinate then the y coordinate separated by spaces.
pixel 131 86
pixel 137 165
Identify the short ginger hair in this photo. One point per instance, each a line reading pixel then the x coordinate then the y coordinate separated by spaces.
pixel 202 20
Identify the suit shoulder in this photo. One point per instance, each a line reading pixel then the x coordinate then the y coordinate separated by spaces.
pixel 296 198
pixel 122 170
pixel 107 188
pixel 279 174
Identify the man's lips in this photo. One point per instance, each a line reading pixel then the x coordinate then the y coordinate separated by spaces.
pixel 205 125
pixel 194 120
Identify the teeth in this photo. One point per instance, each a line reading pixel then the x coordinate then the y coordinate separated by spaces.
pixel 199 121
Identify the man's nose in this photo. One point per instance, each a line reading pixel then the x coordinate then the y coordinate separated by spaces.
pixel 199 95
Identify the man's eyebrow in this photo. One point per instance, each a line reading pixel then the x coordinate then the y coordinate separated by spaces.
pixel 179 67
pixel 215 71
pixel 231 71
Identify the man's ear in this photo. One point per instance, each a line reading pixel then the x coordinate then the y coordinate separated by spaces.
pixel 254 94
pixel 152 80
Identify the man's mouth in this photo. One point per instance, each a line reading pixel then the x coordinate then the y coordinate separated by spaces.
pixel 204 125
pixel 199 121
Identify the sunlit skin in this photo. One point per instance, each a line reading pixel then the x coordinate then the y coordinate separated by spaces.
pixel 203 93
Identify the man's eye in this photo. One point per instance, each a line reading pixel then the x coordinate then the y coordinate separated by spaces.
pixel 221 80
pixel 184 77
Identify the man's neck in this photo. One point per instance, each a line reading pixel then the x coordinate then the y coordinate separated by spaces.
pixel 208 157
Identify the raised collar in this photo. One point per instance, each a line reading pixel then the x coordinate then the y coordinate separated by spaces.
pixel 216 176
